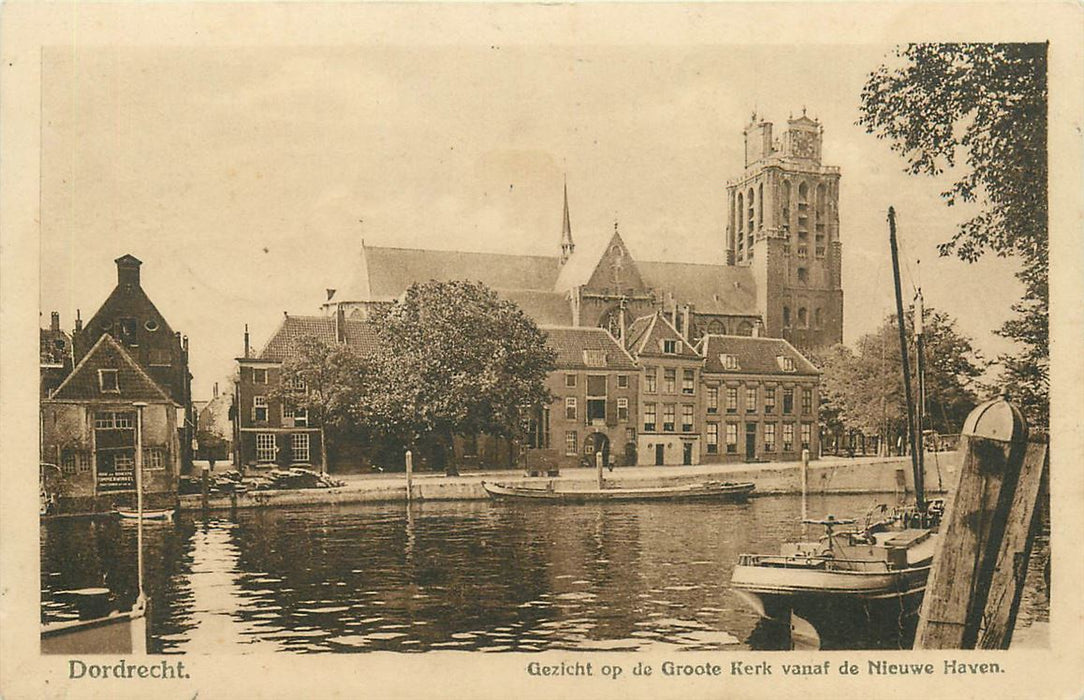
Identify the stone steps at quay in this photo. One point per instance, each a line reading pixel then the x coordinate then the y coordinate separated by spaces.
pixel 826 476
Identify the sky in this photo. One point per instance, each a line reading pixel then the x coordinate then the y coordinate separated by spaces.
pixel 245 178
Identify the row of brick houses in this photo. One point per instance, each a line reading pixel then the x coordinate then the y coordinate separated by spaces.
pixel 91 384
pixel 658 400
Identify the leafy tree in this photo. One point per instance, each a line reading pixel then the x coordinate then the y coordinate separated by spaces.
pixel 864 387
pixel 986 104
pixel 456 359
pixel 330 383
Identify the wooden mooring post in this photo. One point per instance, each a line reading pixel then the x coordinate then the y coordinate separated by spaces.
pixel 973 592
pixel 409 476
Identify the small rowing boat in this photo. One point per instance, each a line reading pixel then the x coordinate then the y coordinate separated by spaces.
pixel 160 514
pixel 701 491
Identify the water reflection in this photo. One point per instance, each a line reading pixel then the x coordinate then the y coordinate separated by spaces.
pixel 475 575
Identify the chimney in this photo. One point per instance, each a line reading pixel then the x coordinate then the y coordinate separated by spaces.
pixel 128 270
pixel 246 341
pixel 78 321
pixel 685 322
pixel 54 321
pixel 184 344
pixel 340 323
pixel 214 391
pixel 330 293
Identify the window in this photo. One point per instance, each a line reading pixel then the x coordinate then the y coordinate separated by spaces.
pixel 769 399
pixel 570 408
pixel 538 430
pixel 596 385
pixel 769 437
pixel 650 380
pixel 729 362
pixel 669 378
pixel 807 400
pixel 686 417
pixel 817 318
pixel 788 437
pixel 786 317
pixel 124 462
pixel 807 435
pixel 154 459
pixel 259 376
pixel 594 358
pixel 687 382
pixel 622 381
pixel 300 416
pixel 265 447
pixel 571 442
pixel 785 363
pixel 732 399
pixel 108 382
pixel 713 399
pixel 151 325
pixel 623 409
pixel 788 400
pixel 114 420
pixel 803 322
pixel 159 358
pixel 296 383
pixel 669 413
pixel 299 447
pixel 570 380
pixel 127 328
pixel 803 277
pixel 750 399
pixel 596 397
pixel 630 434
pixel 649 417
pixel 670 347
pixel 713 438
pixel 259 408
pixel 732 438
pixel 67 462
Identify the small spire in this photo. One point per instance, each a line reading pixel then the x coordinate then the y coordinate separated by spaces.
pixel 567 246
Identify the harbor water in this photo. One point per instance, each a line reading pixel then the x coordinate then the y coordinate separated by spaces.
pixel 453 575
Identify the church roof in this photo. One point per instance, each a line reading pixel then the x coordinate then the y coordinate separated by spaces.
pixel 385 273
pixel 753 355
pixel 545 308
pixel 360 335
pixel 710 289
pixel 570 344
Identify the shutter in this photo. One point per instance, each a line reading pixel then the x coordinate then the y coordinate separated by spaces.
pixel 611 412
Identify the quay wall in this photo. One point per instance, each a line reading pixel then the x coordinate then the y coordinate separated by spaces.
pixel 836 476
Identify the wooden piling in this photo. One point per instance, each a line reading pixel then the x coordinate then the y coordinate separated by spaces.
pixel 205 490
pixel 409 476
pixel 980 529
pixel 598 468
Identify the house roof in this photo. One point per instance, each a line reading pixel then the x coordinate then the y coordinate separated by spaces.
pixel 647 333
pixel 754 355
pixel 360 335
pixel 55 346
pixel 134 383
pixel 384 274
pixel 710 289
pixel 571 342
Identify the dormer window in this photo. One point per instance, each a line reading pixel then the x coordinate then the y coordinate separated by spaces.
pixel 108 382
pixel 671 347
pixel 729 362
pixel 785 363
pixel 594 358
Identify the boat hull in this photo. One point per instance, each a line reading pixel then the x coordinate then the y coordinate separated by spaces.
pixel 710 491
pixel 848 609
pixel 147 514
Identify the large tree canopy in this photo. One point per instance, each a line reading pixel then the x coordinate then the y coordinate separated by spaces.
pixel 987 105
pixel 863 388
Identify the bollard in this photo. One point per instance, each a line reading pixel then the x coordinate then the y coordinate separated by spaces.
pixel 205 488
pixel 598 467
pixel 409 475
pixel 974 587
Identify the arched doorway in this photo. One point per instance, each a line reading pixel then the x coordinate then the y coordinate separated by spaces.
pixel 594 443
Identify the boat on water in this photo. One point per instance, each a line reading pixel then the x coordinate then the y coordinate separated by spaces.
pixel 860 587
pixel 701 491
pixel 857 587
pixel 158 514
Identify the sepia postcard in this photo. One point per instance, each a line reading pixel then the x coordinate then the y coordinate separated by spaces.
pixel 442 350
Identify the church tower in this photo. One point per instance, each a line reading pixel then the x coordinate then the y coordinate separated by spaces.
pixel 783 222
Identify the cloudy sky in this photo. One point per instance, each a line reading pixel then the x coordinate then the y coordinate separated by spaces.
pixel 245 177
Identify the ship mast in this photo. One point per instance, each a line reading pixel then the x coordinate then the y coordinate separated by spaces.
pixel 916 463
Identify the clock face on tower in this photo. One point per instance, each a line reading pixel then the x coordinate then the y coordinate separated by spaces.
pixel 803 144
